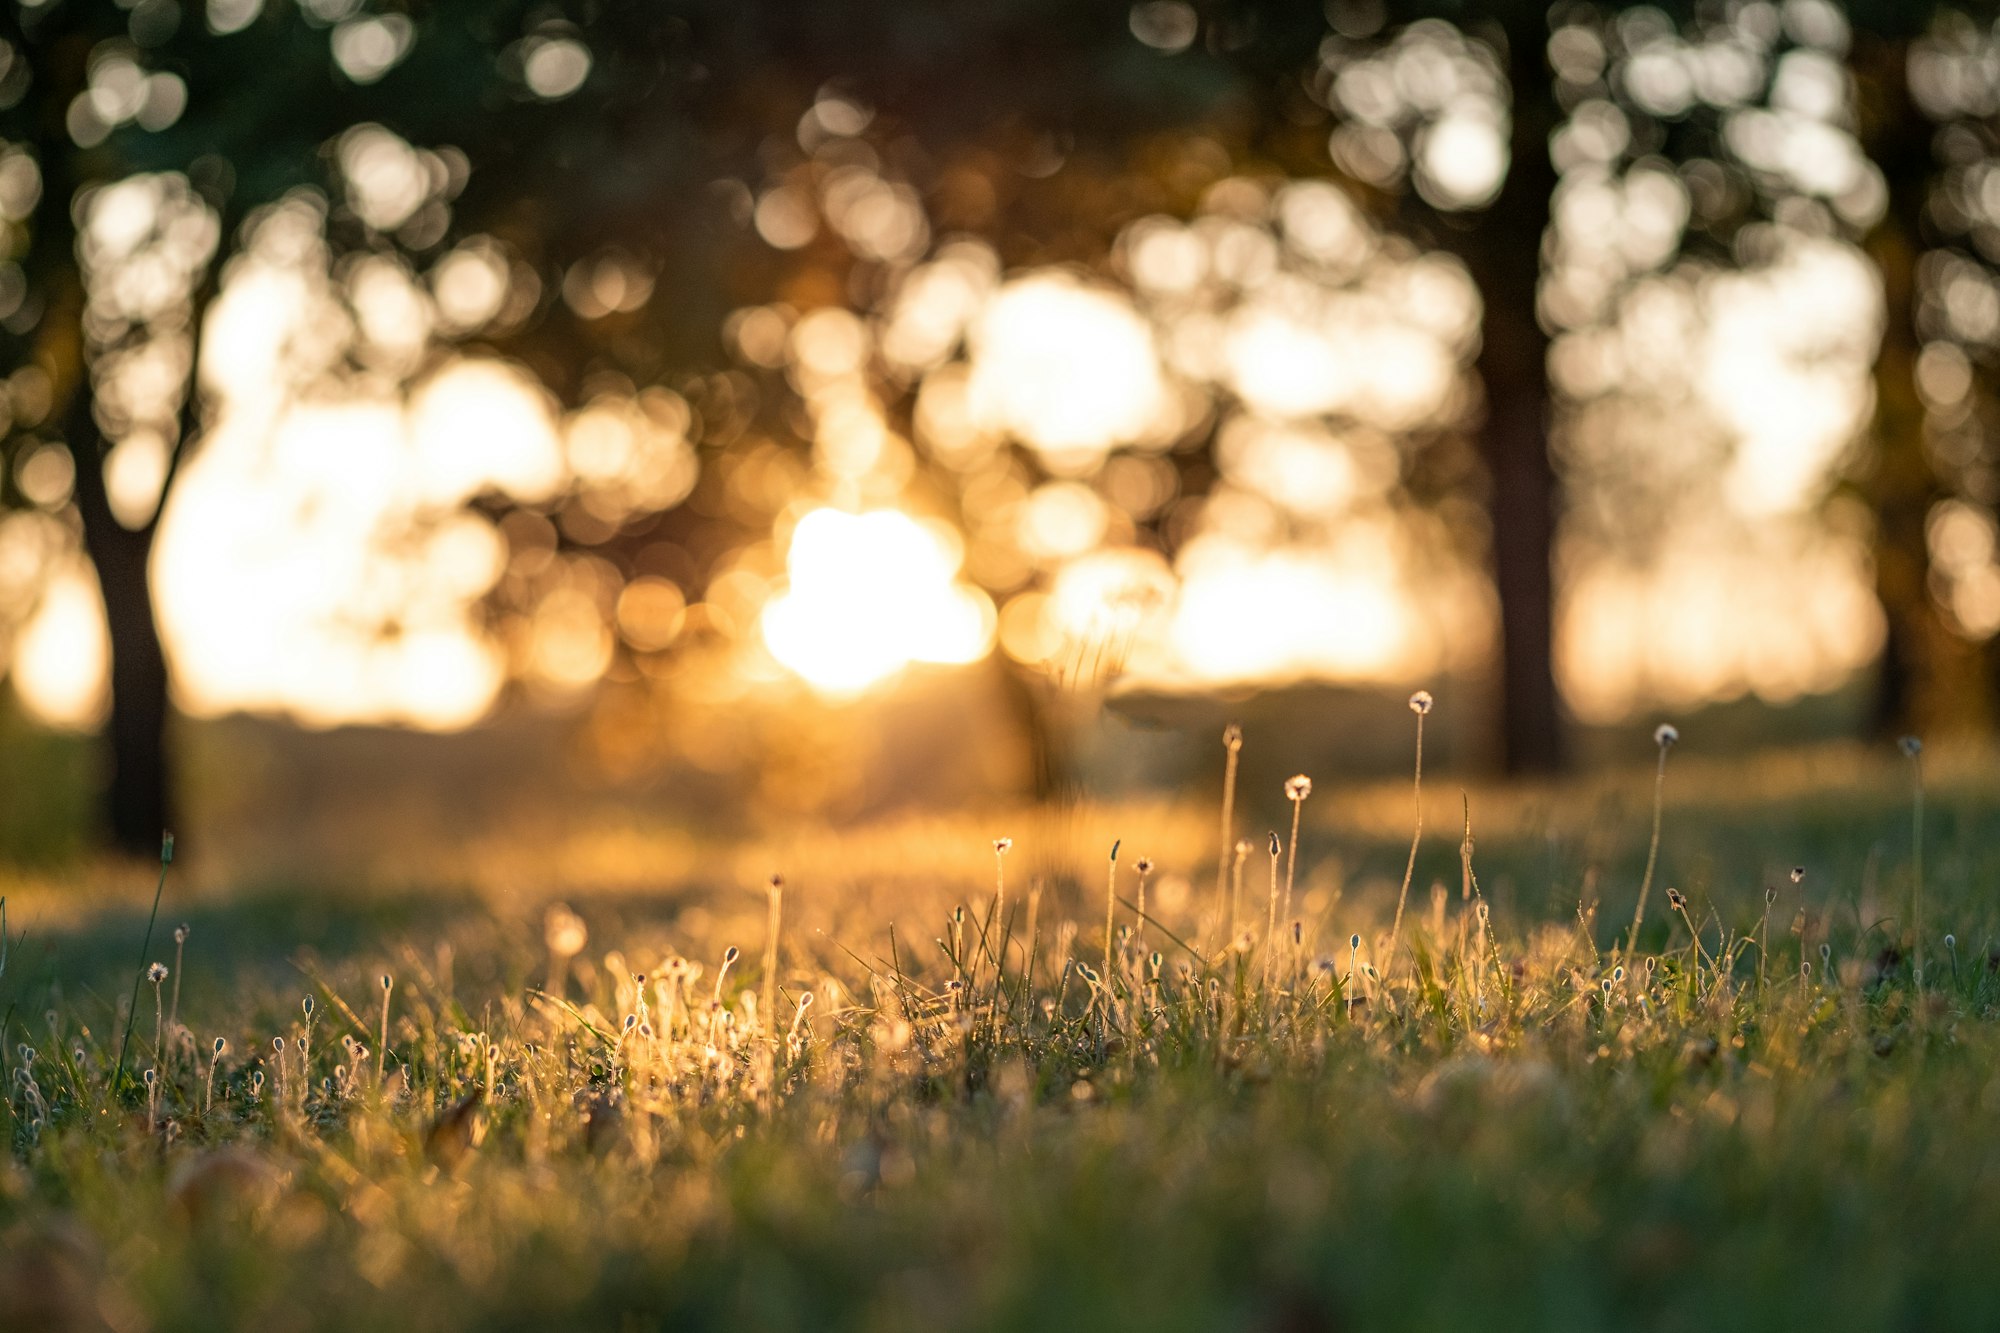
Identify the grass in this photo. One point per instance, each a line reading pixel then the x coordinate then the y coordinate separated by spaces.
pixel 971 1125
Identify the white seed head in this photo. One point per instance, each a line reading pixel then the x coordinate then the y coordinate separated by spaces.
pixel 1420 702
pixel 1798 874
pixel 1232 738
pixel 1298 786
pixel 1002 846
pixel 156 973
pixel 181 933
pixel 1666 734
pixel 1144 865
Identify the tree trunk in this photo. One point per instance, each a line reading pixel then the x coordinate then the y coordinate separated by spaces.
pixel 1504 254
pixel 137 795
pixel 1930 678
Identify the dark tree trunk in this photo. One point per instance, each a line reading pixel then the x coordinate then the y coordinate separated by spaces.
pixel 137 794
pixel 1930 676
pixel 1504 254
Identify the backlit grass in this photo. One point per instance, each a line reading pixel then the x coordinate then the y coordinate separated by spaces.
pixel 927 1099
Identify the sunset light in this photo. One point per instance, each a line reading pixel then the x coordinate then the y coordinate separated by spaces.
pixel 869 594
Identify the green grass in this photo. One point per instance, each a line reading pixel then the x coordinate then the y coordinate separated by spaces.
pixel 1482 1138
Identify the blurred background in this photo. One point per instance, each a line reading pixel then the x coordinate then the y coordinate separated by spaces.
pixel 440 414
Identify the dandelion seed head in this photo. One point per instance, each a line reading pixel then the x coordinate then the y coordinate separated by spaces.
pixel 1298 786
pixel 1666 734
pixel 156 973
pixel 1144 865
pixel 1232 738
pixel 1420 702
pixel 181 933
pixel 1002 846
pixel 1798 874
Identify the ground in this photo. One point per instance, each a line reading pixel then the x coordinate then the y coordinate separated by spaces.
pixel 1510 1121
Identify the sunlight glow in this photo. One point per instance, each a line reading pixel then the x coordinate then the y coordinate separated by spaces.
pixel 63 655
pixel 870 594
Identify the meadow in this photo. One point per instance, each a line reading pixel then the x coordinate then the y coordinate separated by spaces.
pixel 1343 1080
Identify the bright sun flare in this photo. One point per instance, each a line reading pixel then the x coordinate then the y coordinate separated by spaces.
pixel 870 594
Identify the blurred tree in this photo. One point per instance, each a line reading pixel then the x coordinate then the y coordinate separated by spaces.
pixel 623 180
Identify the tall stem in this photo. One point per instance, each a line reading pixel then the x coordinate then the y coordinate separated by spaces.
pixel 1410 867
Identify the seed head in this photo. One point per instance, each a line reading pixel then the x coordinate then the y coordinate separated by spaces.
pixel 307 1005
pixel 1910 746
pixel 1242 848
pixel 1798 874
pixel 1666 734
pixel 1951 943
pixel 181 933
pixel 1676 899
pixel 1298 786
pixel 1274 844
pixel 730 955
pixel 1144 865
pixel 1420 702
pixel 1232 738
pixel 156 973
pixel 1002 846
